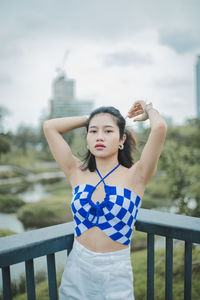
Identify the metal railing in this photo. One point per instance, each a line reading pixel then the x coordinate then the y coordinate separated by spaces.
pixel 27 246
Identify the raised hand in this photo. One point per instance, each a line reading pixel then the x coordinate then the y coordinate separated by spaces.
pixel 139 108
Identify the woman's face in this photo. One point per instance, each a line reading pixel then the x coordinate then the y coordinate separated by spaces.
pixel 103 136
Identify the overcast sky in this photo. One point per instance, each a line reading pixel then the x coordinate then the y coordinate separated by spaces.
pixel 120 51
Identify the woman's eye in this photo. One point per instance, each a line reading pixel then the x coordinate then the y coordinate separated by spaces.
pixel 92 131
pixel 108 131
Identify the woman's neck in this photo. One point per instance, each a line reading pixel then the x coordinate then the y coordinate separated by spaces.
pixel 106 165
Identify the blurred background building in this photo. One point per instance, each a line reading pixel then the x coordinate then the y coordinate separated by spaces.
pixel 64 102
pixel 198 86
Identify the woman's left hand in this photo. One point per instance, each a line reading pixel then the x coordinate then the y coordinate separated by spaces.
pixel 138 108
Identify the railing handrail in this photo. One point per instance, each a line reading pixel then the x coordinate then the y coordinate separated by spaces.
pixel 22 246
pixel 175 226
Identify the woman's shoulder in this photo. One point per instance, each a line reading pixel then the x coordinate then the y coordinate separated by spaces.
pixel 78 175
pixel 134 179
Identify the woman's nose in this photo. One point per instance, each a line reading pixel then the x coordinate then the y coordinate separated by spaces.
pixel 100 136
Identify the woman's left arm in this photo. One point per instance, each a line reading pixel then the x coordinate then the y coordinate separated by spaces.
pixel 147 163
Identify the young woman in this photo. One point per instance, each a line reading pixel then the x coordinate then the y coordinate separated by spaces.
pixel 107 193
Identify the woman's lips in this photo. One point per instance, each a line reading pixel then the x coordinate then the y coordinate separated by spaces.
pixel 99 146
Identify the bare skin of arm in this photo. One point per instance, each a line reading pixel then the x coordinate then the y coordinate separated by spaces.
pixel 53 130
pixel 145 167
pixel 147 164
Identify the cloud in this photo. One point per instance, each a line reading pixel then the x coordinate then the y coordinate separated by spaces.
pixel 173 82
pixel 101 34
pixel 96 19
pixel 182 41
pixel 127 58
pixel 9 48
pixel 5 79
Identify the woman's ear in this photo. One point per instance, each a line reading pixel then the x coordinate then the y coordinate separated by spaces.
pixel 123 138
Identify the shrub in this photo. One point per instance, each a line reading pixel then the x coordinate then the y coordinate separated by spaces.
pixel 14 188
pixel 44 213
pixel 10 203
pixel 6 232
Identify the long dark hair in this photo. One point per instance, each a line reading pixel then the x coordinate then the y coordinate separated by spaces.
pixel 125 157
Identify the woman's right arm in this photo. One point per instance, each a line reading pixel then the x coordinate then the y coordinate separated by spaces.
pixel 53 130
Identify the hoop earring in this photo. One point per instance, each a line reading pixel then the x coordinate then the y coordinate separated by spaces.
pixel 121 147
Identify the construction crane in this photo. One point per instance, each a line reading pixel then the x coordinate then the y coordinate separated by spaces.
pixel 60 69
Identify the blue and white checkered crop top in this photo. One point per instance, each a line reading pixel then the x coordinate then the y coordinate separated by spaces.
pixel 115 215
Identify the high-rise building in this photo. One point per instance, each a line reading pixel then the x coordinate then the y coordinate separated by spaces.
pixel 64 102
pixel 198 86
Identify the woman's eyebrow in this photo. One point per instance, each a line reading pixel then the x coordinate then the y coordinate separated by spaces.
pixel 103 126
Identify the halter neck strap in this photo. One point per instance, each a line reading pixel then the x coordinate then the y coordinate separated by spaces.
pixel 102 178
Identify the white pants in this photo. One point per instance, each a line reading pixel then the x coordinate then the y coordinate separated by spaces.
pixel 90 275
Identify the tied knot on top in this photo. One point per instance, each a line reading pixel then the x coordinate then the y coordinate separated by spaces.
pixel 96 210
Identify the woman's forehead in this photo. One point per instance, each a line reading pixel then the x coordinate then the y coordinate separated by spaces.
pixel 103 119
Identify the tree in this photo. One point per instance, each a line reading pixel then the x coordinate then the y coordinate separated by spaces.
pixel 25 136
pixel 5 144
pixel 3 113
pixel 181 164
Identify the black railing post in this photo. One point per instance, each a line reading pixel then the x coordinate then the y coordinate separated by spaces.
pixel 187 271
pixel 7 293
pixel 150 266
pixel 51 266
pixel 30 280
pixel 168 268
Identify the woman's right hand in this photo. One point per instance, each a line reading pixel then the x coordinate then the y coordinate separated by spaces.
pixel 139 108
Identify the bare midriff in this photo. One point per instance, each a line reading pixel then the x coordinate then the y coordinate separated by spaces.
pixel 96 240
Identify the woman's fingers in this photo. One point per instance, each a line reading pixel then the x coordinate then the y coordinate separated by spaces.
pixel 135 112
pixel 136 109
pixel 142 118
pixel 138 120
pixel 136 106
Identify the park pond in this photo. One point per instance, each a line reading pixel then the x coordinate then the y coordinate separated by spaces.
pixel 35 192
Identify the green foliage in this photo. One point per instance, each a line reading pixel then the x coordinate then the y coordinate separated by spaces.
pixel 181 161
pixel 138 240
pixel 14 188
pixel 17 158
pixel 183 172
pixel 62 187
pixel 10 203
pixel 157 192
pixel 6 232
pixel 5 144
pixel 9 174
pixel 3 113
pixel 47 212
pixel 42 291
pixel 139 262
pixel 186 135
pixel 19 286
pixel 31 161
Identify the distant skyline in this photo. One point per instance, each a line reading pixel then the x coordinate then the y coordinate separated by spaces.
pixel 120 51
pixel 198 86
